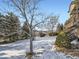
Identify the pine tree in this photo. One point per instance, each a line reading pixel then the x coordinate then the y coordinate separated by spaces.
pixel 10 26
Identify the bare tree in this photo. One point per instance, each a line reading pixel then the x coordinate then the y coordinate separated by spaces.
pixel 51 23
pixel 28 10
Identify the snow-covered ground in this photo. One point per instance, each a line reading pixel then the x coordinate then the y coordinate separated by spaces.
pixel 42 48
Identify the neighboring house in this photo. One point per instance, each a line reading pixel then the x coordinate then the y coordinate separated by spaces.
pixel 37 32
pixel 72 24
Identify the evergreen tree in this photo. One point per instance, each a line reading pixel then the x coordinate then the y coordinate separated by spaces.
pixel 10 27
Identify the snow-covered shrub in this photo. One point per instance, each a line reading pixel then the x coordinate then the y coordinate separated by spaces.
pixel 25 30
pixel 24 35
pixel 62 40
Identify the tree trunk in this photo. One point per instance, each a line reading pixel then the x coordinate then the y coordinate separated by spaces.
pixel 31 45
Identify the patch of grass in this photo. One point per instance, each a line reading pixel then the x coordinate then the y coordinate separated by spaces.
pixel 29 54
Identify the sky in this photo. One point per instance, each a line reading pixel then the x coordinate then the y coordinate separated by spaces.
pixel 57 7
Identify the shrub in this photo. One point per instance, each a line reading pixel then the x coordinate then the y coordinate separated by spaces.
pixel 42 34
pixel 62 40
pixel 50 33
pixel 55 33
